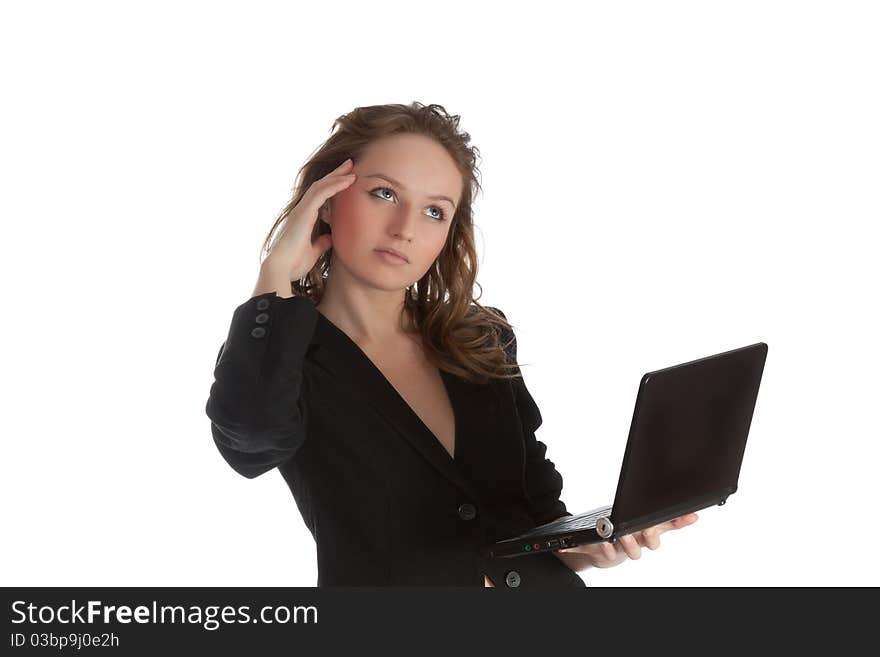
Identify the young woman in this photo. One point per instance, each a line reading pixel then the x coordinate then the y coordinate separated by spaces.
pixel 366 372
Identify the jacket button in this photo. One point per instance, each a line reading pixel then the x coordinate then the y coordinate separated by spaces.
pixel 467 511
pixel 262 318
pixel 262 304
pixel 512 579
pixel 258 332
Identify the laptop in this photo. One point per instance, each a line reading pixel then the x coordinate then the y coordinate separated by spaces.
pixel 684 452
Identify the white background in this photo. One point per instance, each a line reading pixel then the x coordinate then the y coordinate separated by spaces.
pixel 662 181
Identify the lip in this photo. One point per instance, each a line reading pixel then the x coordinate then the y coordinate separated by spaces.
pixel 398 254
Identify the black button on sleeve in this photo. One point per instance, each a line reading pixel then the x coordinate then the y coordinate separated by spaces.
pixel 262 304
pixel 467 511
pixel 262 318
pixel 258 332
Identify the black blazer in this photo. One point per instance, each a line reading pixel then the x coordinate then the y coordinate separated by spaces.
pixel 383 499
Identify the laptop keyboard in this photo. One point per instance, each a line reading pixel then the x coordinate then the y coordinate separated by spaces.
pixel 581 521
pixel 585 520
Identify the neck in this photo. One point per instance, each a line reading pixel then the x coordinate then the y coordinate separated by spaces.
pixel 367 315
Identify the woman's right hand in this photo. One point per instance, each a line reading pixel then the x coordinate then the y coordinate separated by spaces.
pixel 293 251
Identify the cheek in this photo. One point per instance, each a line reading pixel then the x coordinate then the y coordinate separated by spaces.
pixel 433 246
pixel 342 206
pixel 351 218
pixel 441 237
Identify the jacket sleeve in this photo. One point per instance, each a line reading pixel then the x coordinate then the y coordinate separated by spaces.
pixel 257 415
pixel 543 483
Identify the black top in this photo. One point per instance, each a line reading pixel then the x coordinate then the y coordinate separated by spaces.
pixel 386 503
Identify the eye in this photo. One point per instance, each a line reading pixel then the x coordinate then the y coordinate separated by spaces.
pixel 380 189
pixel 441 216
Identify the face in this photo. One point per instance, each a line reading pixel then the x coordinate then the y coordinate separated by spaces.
pixel 404 197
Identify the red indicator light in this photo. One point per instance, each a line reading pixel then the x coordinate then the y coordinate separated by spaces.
pixel 537 546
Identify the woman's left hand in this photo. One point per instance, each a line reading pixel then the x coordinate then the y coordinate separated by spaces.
pixel 629 546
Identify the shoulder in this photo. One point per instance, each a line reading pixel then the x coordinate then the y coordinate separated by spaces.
pixel 487 311
pixel 506 336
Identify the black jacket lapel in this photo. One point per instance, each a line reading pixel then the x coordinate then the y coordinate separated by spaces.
pixel 341 356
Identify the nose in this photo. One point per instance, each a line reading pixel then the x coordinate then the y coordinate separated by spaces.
pixel 403 223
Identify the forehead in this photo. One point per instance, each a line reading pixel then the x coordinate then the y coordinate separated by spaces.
pixel 419 162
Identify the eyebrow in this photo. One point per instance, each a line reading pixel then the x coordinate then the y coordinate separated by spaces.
pixel 399 184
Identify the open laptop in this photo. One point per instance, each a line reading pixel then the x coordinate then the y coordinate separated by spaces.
pixel 684 452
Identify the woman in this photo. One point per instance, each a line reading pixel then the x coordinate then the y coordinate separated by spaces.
pixel 365 371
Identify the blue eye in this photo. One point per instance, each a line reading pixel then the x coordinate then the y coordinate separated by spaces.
pixel 441 217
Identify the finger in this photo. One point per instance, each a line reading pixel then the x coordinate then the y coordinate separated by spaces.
pixel 320 190
pixel 633 551
pixel 676 523
pixel 332 183
pixel 651 537
pixel 318 200
pixel 322 244
pixel 684 521
pixel 608 550
pixel 342 167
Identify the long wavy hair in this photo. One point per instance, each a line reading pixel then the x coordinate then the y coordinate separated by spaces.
pixel 459 335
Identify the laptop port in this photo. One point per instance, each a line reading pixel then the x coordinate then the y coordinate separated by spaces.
pixel 554 542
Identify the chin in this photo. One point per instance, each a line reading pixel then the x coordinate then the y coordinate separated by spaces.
pixel 388 281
